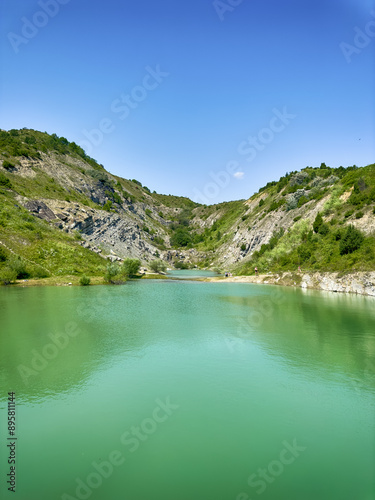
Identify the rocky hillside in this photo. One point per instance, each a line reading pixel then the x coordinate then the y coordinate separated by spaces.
pixel 63 213
pixel 321 219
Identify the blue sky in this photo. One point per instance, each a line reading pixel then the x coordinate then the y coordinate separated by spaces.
pixel 206 99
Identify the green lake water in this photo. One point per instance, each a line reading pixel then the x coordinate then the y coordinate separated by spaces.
pixel 183 390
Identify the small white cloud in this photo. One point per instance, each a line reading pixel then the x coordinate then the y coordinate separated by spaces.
pixel 238 175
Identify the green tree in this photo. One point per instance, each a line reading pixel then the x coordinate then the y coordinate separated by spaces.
pixel 8 165
pixel 4 181
pixel 302 201
pixel 19 267
pixel 351 240
pixel 113 269
pixel 317 222
pixel 3 255
pixel 158 266
pixel 7 276
pixel 131 267
pixel 85 280
pixel 181 237
pixel 324 229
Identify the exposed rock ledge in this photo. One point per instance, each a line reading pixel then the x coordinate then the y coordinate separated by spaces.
pixel 362 283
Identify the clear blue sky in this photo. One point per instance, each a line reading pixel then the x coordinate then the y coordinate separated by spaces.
pixel 224 73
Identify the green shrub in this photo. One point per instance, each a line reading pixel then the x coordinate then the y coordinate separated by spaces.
pixel 3 255
pixel 8 165
pixel 4 181
pixel 100 176
pixel 131 267
pixel 317 222
pixel 338 235
pixel 117 198
pixel 148 212
pixel 359 215
pixel 323 229
pixel 181 237
pixel 158 240
pixel 113 269
pixel 19 267
pixel 319 226
pixel 276 205
pixel 348 213
pixel 39 272
pixel 181 265
pixel 107 205
pixel 304 252
pixel 243 247
pixel 7 276
pixel 296 219
pixel 302 201
pixel 158 266
pixel 351 240
pixel 84 281
pixel 261 203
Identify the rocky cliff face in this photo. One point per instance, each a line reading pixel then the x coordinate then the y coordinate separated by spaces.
pixel 128 229
pixel 116 235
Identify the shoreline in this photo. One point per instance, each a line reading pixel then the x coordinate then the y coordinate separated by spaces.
pixel 359 283
pixel 74 281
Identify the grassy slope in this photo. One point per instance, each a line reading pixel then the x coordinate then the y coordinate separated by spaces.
pixel 45 250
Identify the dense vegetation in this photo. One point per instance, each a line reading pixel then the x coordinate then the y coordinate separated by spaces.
pixel 31 143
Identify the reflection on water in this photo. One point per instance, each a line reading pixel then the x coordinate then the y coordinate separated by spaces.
pixel 191 273
pixel 248 367
pixel 334 331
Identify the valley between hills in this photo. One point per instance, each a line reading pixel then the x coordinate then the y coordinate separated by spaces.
pixel 63 216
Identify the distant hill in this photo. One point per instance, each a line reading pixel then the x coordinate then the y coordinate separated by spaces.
pixel 63 214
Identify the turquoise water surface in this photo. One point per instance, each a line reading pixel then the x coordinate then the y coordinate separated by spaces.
pixel 183 390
